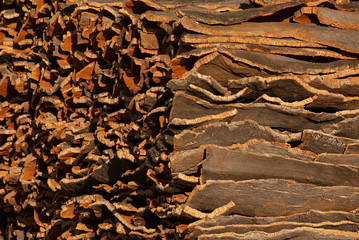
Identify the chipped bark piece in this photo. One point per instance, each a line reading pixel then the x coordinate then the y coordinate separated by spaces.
pixel 86 72
pixel 334 102
pixel 297 233
pixel 272 63
pixel 217 212
pixel 223 164
pixel 313 33
pixel 295 51
pixel 29 170
pixel 186 162
pixel 320 102
pixel 193 38
pixel 312 216
pixel 288 88
pixel 112 209
pixel 260 146
pixel 318 142
pixel 272 197
pixel 272 228
pixel 271 2
pixel 275 116
pixel 352 148
pixel 351 6
pixel 149 41
pixel 100 3
pixel 199 120
pixel 332 17
pixel 218 98
pixel 345 85
pixel 226 134
pixel 348 128
pixel 235 17
pixel 203 81
pixel 209 4
pixel 262 60
pixel 342 159
pixel 160 16
pixel 223 68
pixel 300 89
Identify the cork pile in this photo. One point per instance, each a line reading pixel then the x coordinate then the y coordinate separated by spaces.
pixel 160 119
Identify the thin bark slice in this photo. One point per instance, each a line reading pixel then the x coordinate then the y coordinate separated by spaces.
pixel 319 142
pixel 312 216
pixel 226 134
pixel 208 4
pixel 332 17
pixel 274 227
pixel 352 148
pixel 193 38
pixel 272 2
pixel 348 128
pixel 297 233
pixel 188 161
pixel 272 197
pixel 271 62
pixel 342 159
pixel 263 48
pixel 275 116
pixel 235 17
pixel 223 164
pixel 348 86
pixel 306 32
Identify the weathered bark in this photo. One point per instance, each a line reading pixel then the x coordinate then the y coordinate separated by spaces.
pixel 272 197
pixel 223 164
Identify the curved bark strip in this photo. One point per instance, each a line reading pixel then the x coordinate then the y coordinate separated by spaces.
pixel 305 32
pixel 274 116
pixel 235 17
pixel 335 18
pixel 274 47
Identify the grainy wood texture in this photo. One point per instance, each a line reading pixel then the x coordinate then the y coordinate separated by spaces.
pixel 157 119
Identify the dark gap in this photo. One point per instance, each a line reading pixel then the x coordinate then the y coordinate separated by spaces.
pixel 320 110
pixel 139 7
pixel 354 75
pixel 295 144
pixel 278 16
pixel 316 59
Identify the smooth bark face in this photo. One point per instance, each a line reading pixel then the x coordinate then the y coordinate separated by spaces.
pixel 189 161
pixel 272 197
pixel 223 164
pixel 319 142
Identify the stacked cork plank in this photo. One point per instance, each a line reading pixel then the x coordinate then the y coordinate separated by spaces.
pixel 156 119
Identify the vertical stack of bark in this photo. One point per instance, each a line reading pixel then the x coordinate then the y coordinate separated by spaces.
pixel 266 117
pixel 133 119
